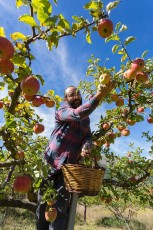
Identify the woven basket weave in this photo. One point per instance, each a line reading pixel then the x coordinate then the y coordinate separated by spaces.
pixel 83 179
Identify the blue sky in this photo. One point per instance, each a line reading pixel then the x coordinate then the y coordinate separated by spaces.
pixel 67 64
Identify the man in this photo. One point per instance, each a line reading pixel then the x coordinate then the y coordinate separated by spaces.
pixel 70 139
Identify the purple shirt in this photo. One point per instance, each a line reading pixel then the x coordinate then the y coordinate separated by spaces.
pixel 71 132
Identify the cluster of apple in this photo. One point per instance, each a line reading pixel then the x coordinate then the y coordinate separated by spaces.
pixel 6 53
pixel 135 72
pixel 30 87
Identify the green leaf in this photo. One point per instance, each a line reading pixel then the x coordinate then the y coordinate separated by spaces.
pixel 19 3
pixel 51 21
pixel 40 78
pixel 112 5
pixel 18 35
pixel 124 27
pixel 123 57
pixel 28 20
pixel 114 48
pixel 91 5
pixel 144 53
pixel 63 22
pixel 118 26
pixel 113 37
pixel 19 60
pixel 2 32
pixel 77 19
pixel 129 40
pixel 88 38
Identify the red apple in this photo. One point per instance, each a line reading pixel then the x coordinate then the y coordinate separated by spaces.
pixel 1 104
pixel 6 67
pixel 20 155
pixel 22 183
pixel 133 179
pixel 138 64
pixel 130 122
pixel 37 101
pixel 38 128
pixel 121 127
pixel 105 126
pixel 119 102
pixel 129 74
pixel 30 85
pixel 105 28
pixel 6 49
pixel 28 97
pixel 141 77
pixel 114 97
pixel 105 78
pixel 140 109
pixel 125 132
pixel 50 103
pixel 150 120
pixel 50 214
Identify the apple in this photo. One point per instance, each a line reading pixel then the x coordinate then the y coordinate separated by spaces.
pixel 30 85
pixel 50 214
pixel 121 127
pixel 141 77
pixel 37 101
pixel 130 122
pixel 133 179
pixel 107 144
pixel 50 103
pixel 28 97
pixel 105 78
pixel 119 102
pixel 6 67
pixel 111 135
pixel 6 49
pixel 125 132
pixel 129 74
pixel 138 64
pixel 105 126
pixel 150 120
pixel 22 183
pixel 20 155
pixel 140 109
pixel 114 97
pixel 105 28
pixel 1 104
pixel 129 154
pixel 38 128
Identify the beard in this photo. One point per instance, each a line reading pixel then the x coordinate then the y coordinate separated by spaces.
pixel 75 104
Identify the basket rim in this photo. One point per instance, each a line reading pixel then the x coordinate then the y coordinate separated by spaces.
pixel 83 166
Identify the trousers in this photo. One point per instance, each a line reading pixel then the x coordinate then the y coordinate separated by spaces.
pixel 62 205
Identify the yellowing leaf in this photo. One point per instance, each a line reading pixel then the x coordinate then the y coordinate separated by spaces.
pixel 88 38
pixel 28 20
pixel 18 35
pixel 2 32
pixel 19 3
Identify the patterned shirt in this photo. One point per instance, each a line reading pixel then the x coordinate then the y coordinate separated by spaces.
pixel 71 132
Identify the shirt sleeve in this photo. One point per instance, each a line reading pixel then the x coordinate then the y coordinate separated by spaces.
pixel 78 114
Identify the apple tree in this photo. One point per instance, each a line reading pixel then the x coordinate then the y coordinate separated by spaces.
pixel 130 102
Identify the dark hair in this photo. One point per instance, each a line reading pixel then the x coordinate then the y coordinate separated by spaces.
pixel 71 86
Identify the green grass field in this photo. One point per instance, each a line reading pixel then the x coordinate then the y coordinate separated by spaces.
pixel 98 218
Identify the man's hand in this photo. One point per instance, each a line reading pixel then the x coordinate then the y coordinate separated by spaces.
pixel 104 90
pixel 85 152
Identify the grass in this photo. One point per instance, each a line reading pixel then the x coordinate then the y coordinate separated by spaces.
pixel 98 218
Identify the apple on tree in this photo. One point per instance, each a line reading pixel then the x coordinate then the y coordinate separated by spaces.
pixel 138 64
pixel 141 77
pixel 50 214
pixel 6 67
pixel 150 120
pixel 37 101
pixel 30 85
pixel 105 126
pixel 119 102
pixel 6 49
pixel 105 28
pixel 50 103
pixel 1 104
pixel 129 74
pixel 22 183
pixel 20 155
pixel 38 128
pixel 105 78
pixel 140 109
pixel 125 132
pixel 114 97
pixel 28 97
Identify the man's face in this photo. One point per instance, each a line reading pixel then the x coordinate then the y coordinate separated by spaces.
pixel 73 97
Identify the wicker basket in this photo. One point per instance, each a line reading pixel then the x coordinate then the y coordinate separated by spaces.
pixel 82 179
